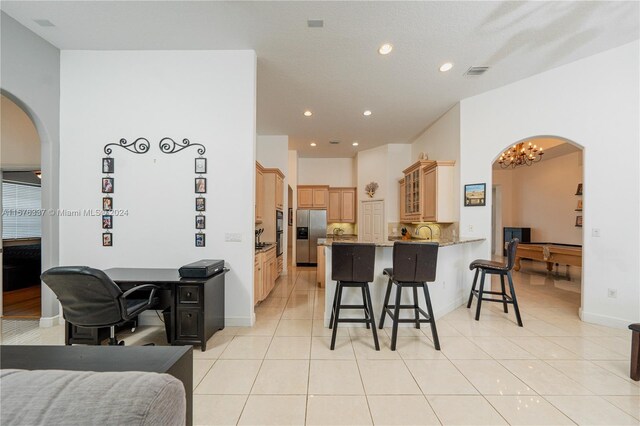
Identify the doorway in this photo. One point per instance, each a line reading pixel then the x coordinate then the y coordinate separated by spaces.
pixel 373 227
pixel 21 223
pixel 540 203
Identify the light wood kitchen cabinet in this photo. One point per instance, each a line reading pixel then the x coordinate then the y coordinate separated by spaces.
pixel 321 270
pixel 342 205
pixel 257 277
pixel 265 271
pixel 313 196
pixel 426 192
pixel 279 191
pixel 259 206
pixel 273 189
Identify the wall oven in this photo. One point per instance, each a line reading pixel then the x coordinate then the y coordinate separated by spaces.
pixel 279 233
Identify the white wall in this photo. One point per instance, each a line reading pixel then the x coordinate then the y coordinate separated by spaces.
pixel 206 96
pixel 326 171
pixel 20 147
pixel 441 141
pixel 273 152
pixel 30 77
pixel 595 103
pixel 542 197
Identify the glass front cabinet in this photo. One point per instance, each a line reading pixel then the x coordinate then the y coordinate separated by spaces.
pixel 427 192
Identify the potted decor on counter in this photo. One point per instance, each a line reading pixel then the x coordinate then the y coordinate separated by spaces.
pixel 405 234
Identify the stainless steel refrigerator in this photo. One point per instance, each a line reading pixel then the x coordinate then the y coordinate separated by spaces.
pixel 310 225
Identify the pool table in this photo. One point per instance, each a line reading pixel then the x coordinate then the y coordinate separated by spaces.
pixel 550 253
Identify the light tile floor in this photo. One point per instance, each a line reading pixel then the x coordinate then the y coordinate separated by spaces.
pixel 555 370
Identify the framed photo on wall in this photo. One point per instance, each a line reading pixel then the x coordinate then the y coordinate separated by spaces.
pixel 579 221
pixel 107 204
pixel 107 165
pixel 201 165
pixel 475 194
pixel 579 190
pixel 107 185
pixel 200 222
pixel 200 240
pixel 201 204
pixel 201 185
pixel 107 221
pixel 107 239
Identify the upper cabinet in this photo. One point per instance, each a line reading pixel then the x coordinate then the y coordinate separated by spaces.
pixel 279 191
pixel 273 189
pixel 426 192
pixel 342 205
pixel 259 192
pixel 313 196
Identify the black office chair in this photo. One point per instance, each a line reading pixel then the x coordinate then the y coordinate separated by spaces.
pixel 91 299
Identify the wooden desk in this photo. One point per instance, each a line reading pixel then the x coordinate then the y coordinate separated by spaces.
pixel 556 253
pixel 176 361
pixel 195 305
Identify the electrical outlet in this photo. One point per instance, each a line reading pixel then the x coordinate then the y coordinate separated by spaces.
pixel 595 232
pixel 233 237
pixel 612 293
pixel 470 228
pixel 444 285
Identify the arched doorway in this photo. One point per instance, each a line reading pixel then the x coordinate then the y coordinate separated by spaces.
pixel 540 202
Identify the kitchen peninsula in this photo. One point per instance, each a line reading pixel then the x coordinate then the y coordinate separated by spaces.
pixel 450 290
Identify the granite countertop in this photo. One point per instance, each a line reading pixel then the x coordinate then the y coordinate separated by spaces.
pixel 391 241
pixel 265 248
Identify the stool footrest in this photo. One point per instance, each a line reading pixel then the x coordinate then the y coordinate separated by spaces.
pixel 389 311
pixel 353 307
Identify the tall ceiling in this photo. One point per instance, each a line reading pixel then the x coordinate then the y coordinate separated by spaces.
pixel 336 71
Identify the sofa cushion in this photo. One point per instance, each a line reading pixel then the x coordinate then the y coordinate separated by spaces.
pixel 57 397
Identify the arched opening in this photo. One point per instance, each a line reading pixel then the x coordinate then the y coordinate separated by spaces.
pixel 21 226
pixel 539 200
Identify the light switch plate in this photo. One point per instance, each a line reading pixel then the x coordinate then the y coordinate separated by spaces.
pixel 233 237
pixel 595 232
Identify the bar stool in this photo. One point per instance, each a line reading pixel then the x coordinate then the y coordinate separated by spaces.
pixel 352 266
pixel 496 268
pixel 414 264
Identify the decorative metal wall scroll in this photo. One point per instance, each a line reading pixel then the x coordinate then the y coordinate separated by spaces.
pixel 141 146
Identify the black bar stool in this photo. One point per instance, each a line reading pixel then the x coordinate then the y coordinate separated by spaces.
pixel 414 264
pixel 352 266
pixel 496 268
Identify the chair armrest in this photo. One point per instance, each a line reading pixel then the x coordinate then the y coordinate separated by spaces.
pixel 153 288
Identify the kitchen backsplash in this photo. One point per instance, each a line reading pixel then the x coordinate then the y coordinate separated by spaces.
pixel 440 230
pixel 347 228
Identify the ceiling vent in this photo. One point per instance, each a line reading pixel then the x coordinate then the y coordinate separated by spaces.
pixel 315 23
pixel 44 22
pixel 334 142
pixel 476 70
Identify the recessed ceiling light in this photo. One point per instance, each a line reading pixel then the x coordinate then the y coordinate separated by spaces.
pixel 446 67
pixel 385 49
pixel 355 144
pixel 313 144
pixel 308 113
pixel 366 113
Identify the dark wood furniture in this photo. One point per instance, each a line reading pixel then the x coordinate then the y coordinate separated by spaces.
pixel 634 372
pixel 194 307
pixel 176 361
pixel 565 254
pixel 509 233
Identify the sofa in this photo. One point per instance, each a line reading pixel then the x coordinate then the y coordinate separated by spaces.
pixel 21 266
pixel 61 397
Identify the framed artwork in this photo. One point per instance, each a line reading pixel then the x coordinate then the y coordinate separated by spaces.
pixel 107 185
pixel 201 204
pixel 579 190
pixel 107 204
pixel 579 205
pixel 290 216
pixel 200 222
pixel 475 195
pixel 107 165
pixel 107 221
pixel 107 239
pixel 201 185
pixel 201 165
pixel 579 221
pixel 200 240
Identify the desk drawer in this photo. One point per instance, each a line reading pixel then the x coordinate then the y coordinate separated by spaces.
pixel 189 295
pixel 189 325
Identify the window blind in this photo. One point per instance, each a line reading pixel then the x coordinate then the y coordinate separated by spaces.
pixel 21 206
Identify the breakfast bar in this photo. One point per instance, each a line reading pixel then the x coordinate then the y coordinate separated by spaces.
pixel 450 290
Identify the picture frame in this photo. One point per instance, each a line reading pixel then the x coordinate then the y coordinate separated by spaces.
pixel 108 165
pixel 201 165
pixel 201 185
pixel 290 217
pixel 200 239
pixel 475 195
pixel 107 221
pixel 107 185
pixel 107 204
pixel 107 239
pixel 579 208
pixel 200 222
pixel 579 221
pixel 201 204
pixel 579 189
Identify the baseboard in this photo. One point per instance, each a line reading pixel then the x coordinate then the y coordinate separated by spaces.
pixel 46 322
pixel 439 313
pixel 605 320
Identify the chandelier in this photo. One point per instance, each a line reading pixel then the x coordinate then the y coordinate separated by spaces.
pixel 520 155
